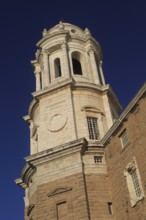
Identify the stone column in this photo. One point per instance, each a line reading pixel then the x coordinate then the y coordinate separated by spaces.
pixel 66 69
pixel 94 65
pixel 101 72
pixel 46 68
pixel 38 79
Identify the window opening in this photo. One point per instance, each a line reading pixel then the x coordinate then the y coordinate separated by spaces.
pixel 57 68
pixel 98 159
pixel 93 128
pixel 136 183
pixel 77 69
pixel 110 208
pixel 124 138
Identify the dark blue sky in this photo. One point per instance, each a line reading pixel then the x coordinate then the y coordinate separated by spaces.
pixel 119 27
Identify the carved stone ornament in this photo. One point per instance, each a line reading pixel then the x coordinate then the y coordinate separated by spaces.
pixel 87 32
pixel 57 122
pixel 44 32
pixel 131 167
pixel 59 190
pixel 61 26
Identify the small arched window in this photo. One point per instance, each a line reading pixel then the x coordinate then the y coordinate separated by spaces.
pixel 57 67
pixel 76 62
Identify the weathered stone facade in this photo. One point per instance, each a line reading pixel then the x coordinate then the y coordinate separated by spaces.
pixel 69 174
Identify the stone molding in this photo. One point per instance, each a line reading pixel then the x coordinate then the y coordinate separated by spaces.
pixel 76 84
pixel 55 152
pixel 93 109
pixel 26 175
pixel 59 190
pixel 57 122
pixel 48 155
pixel 49 36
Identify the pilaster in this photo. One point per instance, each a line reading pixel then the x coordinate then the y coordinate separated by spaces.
pixel 66 68
pixel 46 68
pixel 94 65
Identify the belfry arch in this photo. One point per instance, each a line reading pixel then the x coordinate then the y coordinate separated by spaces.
pixel 77 63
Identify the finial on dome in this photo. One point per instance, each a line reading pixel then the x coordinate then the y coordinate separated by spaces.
pixel 61 25
pixel 44 32
pixel 87 32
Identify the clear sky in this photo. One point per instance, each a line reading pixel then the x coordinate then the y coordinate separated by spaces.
pixel 119 27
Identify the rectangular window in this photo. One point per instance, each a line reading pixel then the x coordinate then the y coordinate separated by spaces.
pixel 136 183
pixel 124 138
pixel 93 128
pixel 110 208
pixel 98 159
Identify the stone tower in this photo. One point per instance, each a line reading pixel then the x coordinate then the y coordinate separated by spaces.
pixel 65 176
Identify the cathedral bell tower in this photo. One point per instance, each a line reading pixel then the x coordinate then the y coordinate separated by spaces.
pixel 65 176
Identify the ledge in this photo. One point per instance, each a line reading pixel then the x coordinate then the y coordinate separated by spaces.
pixel 26 175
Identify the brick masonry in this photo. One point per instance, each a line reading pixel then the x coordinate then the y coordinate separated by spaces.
pixel 118 157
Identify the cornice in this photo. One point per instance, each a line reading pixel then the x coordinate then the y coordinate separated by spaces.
pixel 26 175
pixel 57 152
pixel 54 86
pixel 33 161
pixel 49 36
pixel 75 84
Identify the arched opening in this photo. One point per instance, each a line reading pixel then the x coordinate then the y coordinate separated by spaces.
pixel 77 69
pixel 76 62
pixel 57 67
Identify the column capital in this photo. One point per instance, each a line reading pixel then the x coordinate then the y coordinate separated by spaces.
pixel 63 44
pixel 44 51
pixel 90 49
pixel 37 70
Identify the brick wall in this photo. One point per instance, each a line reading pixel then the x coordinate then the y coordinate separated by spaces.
pixel 118 157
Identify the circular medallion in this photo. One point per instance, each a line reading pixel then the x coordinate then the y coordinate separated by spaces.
pixel 57 122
